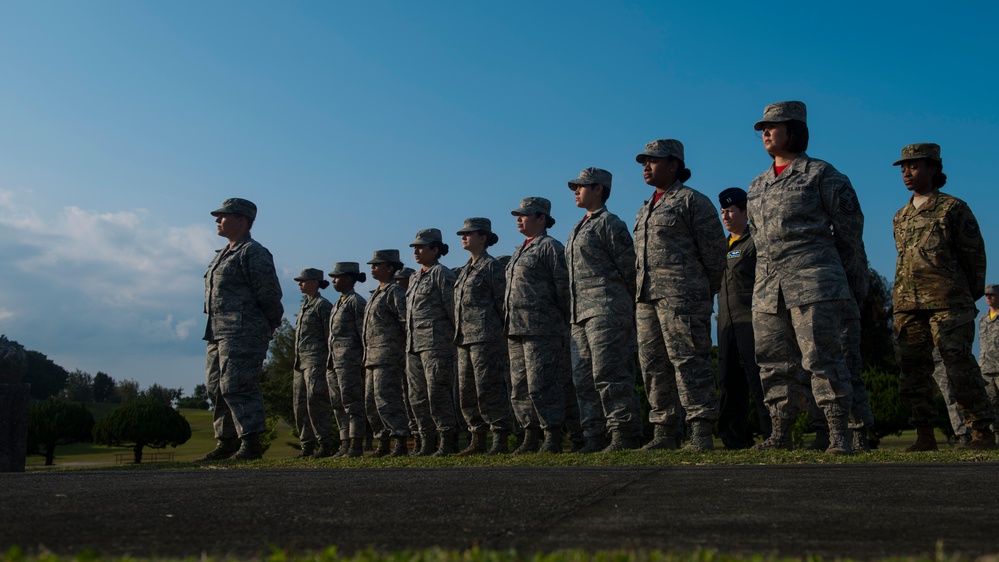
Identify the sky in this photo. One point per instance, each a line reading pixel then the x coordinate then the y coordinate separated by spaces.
pixel 354 125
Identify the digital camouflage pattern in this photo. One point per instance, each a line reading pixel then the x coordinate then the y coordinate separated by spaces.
pixel 478 301
pixel 431 354
pixel 941 255
pixel 988 341
pixel 537 393
pixel 600 258
pixel 385 361
pixel 313 417
pixel 783 111
pixel 919 151
pixel 345 366
pixel 537 289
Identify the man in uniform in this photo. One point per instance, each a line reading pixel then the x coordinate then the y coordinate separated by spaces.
pixel 988 340
pixel 243 304
pixel 738 373
pixel 939 274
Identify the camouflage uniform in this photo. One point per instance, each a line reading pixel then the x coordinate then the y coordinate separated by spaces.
pixel 243 303
pixel 345 368
pixel 536 320
pixel 680 247
pixel 988 340
pixel 811 261
pixel 600 256
pixel 939 274
pixel 311 393
pixel 385 361
pixel 482 354
pixel 430 357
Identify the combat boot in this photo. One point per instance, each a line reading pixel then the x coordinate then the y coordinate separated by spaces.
pixel 476 447
pixel 308 451
pixel 860 442
pixel 780 437
pixel 553 441
pixel 250 448
pixel 383 449
pixel 925 441
pixel 595 444
pixel 417 444
pixel 663 438
pixel 620 441
pixel 501 445
pixel 428 445
pixel 840 441
pixel 821 442
pixel 447 445
pixel 700 437
pixel 225 448
pixel 578 441
pixel 325 450
pixel 532 436
pixel 356 448
pixel 401 446
pixel 982 436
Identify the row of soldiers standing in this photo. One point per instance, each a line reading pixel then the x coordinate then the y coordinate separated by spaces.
pixel 390 361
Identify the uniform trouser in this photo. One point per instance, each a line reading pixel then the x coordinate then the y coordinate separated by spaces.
pixel 431 383
pixel 603 373
pixel 384 404
pixel 738 380
pixel 346 383
pixel 861 414
pixel 482 388
pixel 992 389
pixel 954 415
pixel 572 424
pixel 233 372
pixel 808 337
pixel 951 331
pixel 312 405
pixel 674 349
pixel 537 393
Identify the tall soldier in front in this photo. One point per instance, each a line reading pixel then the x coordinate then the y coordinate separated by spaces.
pixel 243 304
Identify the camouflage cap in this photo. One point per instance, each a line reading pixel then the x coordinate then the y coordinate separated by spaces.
pixel 428 236
pixel 919 151
pixel 992 289
pixel 532 205
pixel 661 149
pixel 592 176
pixel 309 274
pixel 385 256
pixel 237 206
pixel 782 111
pixel 476 224
pixel 404 273
pixel 344 268
pixel 732 196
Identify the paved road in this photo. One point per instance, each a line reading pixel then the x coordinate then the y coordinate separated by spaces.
pixel 862 511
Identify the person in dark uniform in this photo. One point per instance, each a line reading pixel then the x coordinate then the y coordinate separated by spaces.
pixel 738 373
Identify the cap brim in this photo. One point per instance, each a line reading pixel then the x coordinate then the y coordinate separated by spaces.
pixel 518 212
pixel 900 160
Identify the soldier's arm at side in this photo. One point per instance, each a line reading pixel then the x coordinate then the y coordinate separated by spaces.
pixel 843 207
pixel 970 250
pixel 709 237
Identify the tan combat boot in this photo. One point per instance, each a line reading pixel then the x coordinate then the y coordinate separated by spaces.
pixel 925 441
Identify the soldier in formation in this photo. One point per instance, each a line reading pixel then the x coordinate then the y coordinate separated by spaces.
pixel 345 366
pixel 988 340
pixel 313 417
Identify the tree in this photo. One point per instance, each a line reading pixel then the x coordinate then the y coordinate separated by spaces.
pixel 278 372
pixel 54 421
pixel 142 423
pixel 46 378
pixel 103 388
pixel 162 394
pixel 199 401
pixel 877 345
pixel 79 387
pixel 127 390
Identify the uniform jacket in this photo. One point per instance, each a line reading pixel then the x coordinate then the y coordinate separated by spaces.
pixel 537 289
pixel 312 332
pixel 680 246
pixel 735 299
pixel 430 309
pixel 347 328
pixel 808 230
pixel 478 301
pixel 941 255
pixel 385 326
pixel 242 292
pixel 988 339
pixel 600 256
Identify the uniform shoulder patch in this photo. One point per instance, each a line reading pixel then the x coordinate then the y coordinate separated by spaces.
pixel 971 228
pixel 734 254
pixel 848 203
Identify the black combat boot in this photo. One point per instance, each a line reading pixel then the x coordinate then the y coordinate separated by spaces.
pixel 325 450
pixel 250 448
pixel 447 445
pixel 401 446
pixel 356 448
pixel 428 445
pixel 595 444
pixel 925 440
pixel 224 449
pixel 663 439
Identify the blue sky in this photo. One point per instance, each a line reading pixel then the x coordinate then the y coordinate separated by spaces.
pixel 352 126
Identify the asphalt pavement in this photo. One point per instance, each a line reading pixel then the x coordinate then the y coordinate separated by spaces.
pixel 856 510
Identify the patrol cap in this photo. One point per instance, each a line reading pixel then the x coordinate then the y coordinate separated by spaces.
pixel 404 273
pixel 592 176
pixel 428 236
pixel 732 196
pixel 919 151
pixel 532 205
pixel 782 111
pixel 348 268
pixel 992 289
pixel 479 224
pixel 386 256
pixel 237 206
pixel 661 149
pixel 310 274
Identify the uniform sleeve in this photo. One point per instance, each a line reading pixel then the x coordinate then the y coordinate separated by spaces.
pixel 969 250
pixel 325 312
pixel 841 203
pixel 709 237
pixel 497 280
pixel 359 304
pixel 259 265
pixel 560 273
pixel 445 284
pixel 397 302
pixel 623 252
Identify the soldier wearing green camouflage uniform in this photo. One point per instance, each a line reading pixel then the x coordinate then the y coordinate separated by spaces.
pixel 310 392
pixel 680 247
pixel 600 256
pixel 536 319
pixel 483 390
pixel 939 274
pixel 384 339
pixel 808 227
pixel 430 350
pixel 243 304
pixel 345 367
pixel 988 340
